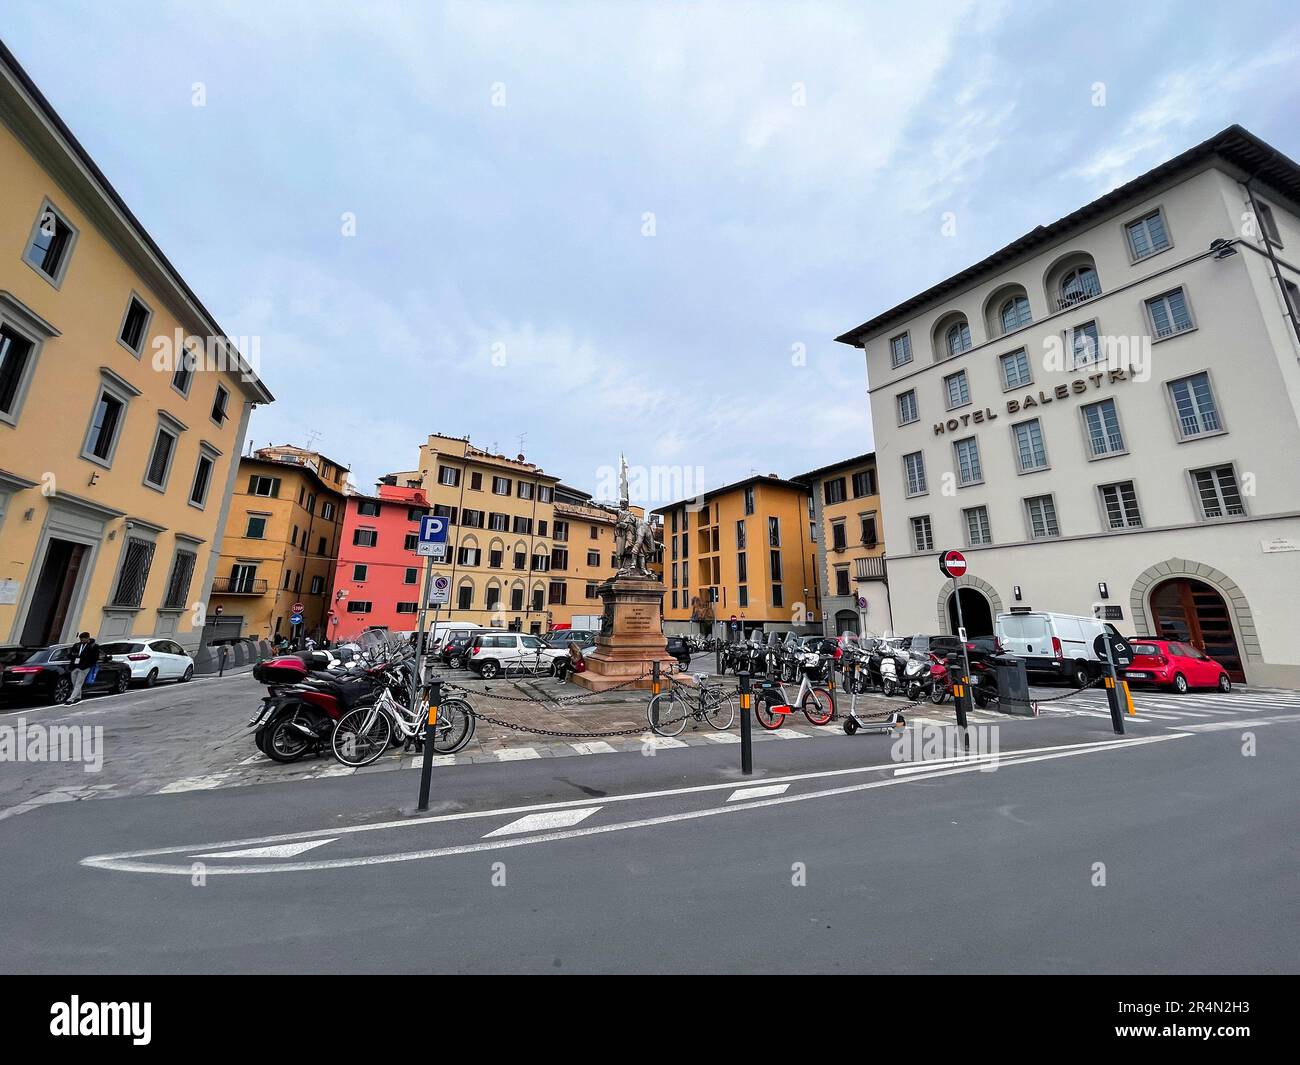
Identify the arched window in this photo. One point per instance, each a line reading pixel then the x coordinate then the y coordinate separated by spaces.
pixel 1078 285
pixel 957 338
pixel 1014 313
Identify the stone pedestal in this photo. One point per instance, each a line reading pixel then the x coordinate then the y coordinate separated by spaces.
pixel 631 635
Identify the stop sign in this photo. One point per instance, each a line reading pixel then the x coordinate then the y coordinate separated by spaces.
pixel 952 563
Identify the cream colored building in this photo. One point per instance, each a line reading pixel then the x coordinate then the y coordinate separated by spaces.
pixel 1105 415
pixel 117 444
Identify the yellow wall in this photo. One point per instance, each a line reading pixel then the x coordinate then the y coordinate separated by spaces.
pixel 44 446
pixel 850 512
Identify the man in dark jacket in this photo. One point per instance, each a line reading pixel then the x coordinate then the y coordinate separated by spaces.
pixel 85 655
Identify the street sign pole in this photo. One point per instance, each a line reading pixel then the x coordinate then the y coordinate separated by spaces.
pixel 953 564
pixel 418 671
pixel 1112 688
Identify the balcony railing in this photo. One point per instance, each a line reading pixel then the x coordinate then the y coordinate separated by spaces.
pixel 870 569
pixel 238 586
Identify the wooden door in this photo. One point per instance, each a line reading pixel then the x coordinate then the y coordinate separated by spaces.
pixel 1193 612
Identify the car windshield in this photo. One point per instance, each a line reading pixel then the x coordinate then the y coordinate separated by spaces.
pixel 121 648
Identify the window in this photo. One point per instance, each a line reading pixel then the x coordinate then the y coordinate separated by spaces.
pixel 977 526
pixel 864 483
pixel 242 578
pixel 907 412
pixel 1031 453
pixel 742 568
pixel 900 350
pixel 1120 503
pixel 742 595
pixel 749 501
pixel 593 558
pixel 472 519
pixel 50 246
pixel 833 491
pixel 774 560
pixel 774 532
pixel 1292 302
pixel 501 486
pixel 327 511
pixel 956 389
pixel 542 563
pixel 411 541
pixel 135 323
pixel 469 556
pixel 105 426
pixel 408 608
pixel 1267 223
pixel 493 600
pixel 160 459
pixel 1015 370
pixel 494 558
pixel 1042 517
pixel 1146 235
pixel 137 557
pixel 365 537
pixel 499 522
pixel 526 490
pixel 1194 406
pixel 914 473
pixel 219 404
pixel 1085 347
pixel 869 535
pixel 178 581
pixel 559 558
pixel 957 338
pixel 740 535
pixel 1217 492
pixel 523 526
pixel 465 596
pixel 359 606
pixel 184 375
pixel 360 573
pixel 562 531
pixel 266 486
pixel 475 481
pixel 367 508
pixel 539 599
pixel 317 585
pixel 593 590
pixel 449 476
pixel 320 546
pixel 256 527
pixel 842 580
pixel 838 540
pixel 202 477
pixel 967 454
pixel 1078 285
pixel 544 493
pixel 557 593
pixel 1104 437
pixel 777 597
pixel 521 559
pixel 1169 314
pixel 1015 313
pixel 15 357
pixel 922 534
pixel 595 533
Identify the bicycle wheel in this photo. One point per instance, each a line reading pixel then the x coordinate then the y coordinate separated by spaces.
pixel 361 736
pixel 719 709
pixel 818 706
pixel 767 717
pixel 666 714
pixel 454 728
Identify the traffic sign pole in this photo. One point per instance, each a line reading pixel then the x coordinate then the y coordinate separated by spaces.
pixel 417 672
pixel 1113 689
pixel 953 564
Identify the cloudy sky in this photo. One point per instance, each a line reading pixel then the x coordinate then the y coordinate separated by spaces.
pixel 617 226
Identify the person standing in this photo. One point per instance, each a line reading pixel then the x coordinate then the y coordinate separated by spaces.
pixel 85 656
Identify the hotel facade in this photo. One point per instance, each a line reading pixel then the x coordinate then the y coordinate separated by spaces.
pixel 1105 416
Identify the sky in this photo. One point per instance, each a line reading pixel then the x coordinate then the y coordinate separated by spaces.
pixel 617 227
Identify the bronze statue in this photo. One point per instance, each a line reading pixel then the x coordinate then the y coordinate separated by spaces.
pixel 634 540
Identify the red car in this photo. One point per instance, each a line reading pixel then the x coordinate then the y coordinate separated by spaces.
pixel 1176 665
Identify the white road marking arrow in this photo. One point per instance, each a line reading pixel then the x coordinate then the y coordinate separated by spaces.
pixel 281 850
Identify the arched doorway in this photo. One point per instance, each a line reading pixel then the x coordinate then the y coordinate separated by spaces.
pixel 976 612
pixel 845 621
pixel 1194 612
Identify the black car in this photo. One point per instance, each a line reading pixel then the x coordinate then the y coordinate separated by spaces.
pixel 45 673
pixel 455 648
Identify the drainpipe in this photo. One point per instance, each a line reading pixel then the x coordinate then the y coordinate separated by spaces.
pixel 1272 256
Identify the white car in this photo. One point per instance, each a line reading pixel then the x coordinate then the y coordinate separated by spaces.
pixel 492 653
pixel 152 660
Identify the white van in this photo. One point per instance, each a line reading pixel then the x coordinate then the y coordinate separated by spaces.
pixel 1056 645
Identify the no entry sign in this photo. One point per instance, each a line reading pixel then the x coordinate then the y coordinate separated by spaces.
pixel 952 563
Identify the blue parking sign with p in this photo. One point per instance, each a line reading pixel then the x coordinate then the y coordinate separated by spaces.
pixel 433 530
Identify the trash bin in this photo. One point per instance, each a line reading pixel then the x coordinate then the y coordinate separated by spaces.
pixel 1013 685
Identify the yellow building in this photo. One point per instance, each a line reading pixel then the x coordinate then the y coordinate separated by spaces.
pixel 123 405
pixel 280 546
pixel 850 546
pixel 583 555
pixel 746 552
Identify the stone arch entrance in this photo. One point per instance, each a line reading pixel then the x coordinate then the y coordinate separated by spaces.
pixel 1193 602
pixel 845 621
pixel 976 612
pixel 946 611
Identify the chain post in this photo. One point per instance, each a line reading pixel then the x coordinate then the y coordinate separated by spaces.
pixel 426 769
pixel 746 740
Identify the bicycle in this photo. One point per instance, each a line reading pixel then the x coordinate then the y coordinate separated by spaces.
pixel 772 705
pixel 668 711
pixel 363 734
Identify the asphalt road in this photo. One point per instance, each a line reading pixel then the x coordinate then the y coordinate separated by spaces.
pixel 849 862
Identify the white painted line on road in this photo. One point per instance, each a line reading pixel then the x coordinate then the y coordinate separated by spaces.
pixel 194 784
pixel 1232 726
pixel 438 759
pixel 517 754
pixel 758 793
pixel 335 771
pixel 785 733
pixel 124 862
pixel 661 743
pixel 282 850
pixel 543 822
pixel 593 747
pixel 720 737
pixel 696 789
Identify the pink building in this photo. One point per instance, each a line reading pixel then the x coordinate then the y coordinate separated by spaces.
pixel 377 580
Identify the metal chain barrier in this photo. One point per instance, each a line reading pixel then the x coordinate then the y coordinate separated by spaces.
pixel 1070 695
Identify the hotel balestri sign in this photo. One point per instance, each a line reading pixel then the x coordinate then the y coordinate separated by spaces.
pixel 1078 387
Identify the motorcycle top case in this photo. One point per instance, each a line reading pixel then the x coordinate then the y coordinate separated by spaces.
pixel 287 669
